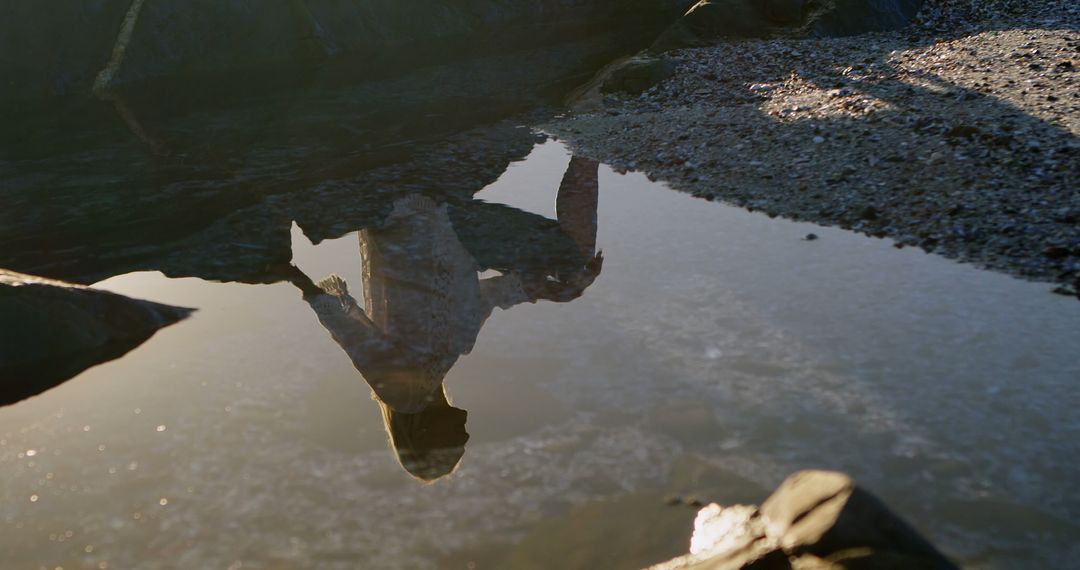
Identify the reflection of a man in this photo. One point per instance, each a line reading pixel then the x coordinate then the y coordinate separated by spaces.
pixel 424 303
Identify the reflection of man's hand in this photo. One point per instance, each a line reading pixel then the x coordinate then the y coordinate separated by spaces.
pixel 564 287
pixel 593 267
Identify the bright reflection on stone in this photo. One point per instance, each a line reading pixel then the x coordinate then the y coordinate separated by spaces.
pixel 720 528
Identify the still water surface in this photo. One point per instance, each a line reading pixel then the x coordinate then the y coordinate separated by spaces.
pixel 710 353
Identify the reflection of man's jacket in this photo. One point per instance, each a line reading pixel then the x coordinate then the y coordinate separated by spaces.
pixel 424 302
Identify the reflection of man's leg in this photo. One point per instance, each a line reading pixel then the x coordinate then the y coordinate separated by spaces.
pixel 576 204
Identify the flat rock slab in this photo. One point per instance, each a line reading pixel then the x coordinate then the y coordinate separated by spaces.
pixel 51 330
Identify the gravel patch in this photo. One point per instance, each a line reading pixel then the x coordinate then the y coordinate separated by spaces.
pixel 958 135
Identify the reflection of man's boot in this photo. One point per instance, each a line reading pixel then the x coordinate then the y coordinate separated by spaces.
pixel 577 202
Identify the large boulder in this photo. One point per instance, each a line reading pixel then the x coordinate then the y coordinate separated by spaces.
pixel 63 46
pixel 51 330
pixel 711 20
pixel 197 177
pixel 814 520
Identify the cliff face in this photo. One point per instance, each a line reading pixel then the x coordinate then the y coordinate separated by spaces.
pixel 64 46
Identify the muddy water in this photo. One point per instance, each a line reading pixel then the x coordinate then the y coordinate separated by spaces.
pixel 715 352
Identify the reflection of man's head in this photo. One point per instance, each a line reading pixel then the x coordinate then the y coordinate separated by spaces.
pixel 430 442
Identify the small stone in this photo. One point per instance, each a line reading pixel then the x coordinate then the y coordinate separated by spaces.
pixel 962 131
pixel 1056 252
pixel 819 139
pixel 810 237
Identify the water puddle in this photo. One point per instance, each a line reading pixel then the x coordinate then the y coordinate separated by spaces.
pixel 708 353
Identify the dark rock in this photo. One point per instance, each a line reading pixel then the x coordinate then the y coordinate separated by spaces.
pixel 63 46
pixel 852 17
pixel 785 12
pixel 637 74
pixel 709 20
pixel 1067 216
pixel 55 330
pixel 1056 252
pixel 810 237
pixel 963 131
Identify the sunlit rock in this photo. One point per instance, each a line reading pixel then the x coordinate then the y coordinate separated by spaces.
pixel 52 330
pixel 824 513
pixel 814 520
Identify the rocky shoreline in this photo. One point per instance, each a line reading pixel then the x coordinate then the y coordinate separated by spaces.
pixel 958 134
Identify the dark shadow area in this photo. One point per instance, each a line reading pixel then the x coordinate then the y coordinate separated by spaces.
pixel 202 177
pixel 78 47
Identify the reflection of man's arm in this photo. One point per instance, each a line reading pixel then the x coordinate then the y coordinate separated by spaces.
pixel 340 314
pixel 342 317
pixel 576 203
